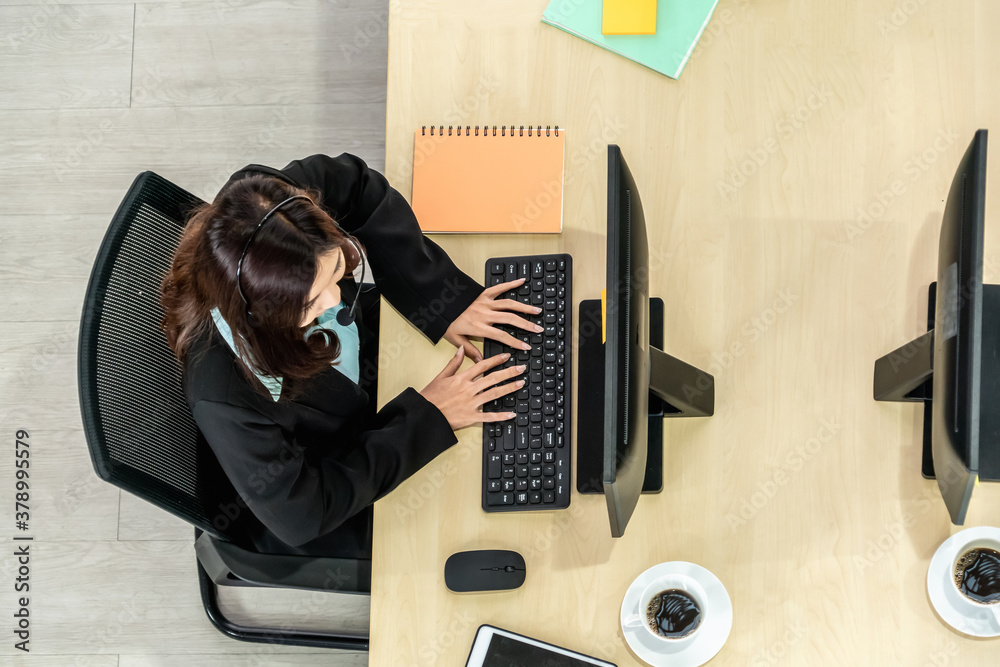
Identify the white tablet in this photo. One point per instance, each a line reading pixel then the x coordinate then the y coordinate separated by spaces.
pixel 494 647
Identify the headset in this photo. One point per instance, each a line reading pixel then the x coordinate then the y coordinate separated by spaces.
pixel 344 317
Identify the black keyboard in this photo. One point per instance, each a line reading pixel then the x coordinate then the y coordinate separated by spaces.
pixel 526 459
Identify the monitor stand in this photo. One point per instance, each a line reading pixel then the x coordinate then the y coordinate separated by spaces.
pixel 676 389
pixel 905 375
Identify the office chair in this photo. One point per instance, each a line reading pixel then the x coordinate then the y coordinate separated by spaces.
pixel 142 436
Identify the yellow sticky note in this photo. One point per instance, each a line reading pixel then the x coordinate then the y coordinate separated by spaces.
pixel 629 17
pixel 604 315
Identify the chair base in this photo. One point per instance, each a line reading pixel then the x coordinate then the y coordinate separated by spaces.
pixel 207 550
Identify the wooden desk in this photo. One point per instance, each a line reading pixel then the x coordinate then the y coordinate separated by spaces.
pixel 793 183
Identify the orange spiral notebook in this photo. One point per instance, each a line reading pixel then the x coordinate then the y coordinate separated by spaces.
pixel 493 180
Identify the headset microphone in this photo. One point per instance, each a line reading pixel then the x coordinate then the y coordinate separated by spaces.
pixel 345 318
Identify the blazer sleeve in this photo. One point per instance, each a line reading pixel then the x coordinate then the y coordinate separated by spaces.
pixel 301 497
pixel 414 274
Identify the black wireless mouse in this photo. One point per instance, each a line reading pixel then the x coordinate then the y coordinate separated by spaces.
pixel 487 570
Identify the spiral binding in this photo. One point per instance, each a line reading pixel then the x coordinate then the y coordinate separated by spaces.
pixel 503 130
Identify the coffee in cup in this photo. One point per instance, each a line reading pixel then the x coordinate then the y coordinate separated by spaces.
pixel 977 575
pixel 673 614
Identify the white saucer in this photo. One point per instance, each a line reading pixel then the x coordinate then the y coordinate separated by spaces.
pixel 717 619
pixel 954 608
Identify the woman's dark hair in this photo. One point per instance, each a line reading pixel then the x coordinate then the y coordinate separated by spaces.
pixel 278 272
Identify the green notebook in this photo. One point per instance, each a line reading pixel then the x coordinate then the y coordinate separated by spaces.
pixel 679 24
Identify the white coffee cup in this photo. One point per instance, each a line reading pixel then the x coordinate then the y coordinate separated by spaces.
pixel 983 609
pixel 661 584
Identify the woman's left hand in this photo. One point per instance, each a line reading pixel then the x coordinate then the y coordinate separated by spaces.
pixel 479 319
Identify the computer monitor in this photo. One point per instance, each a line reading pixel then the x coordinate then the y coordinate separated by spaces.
pixel 623 380
pixel 955 367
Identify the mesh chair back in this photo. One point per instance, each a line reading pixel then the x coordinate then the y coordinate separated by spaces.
pixel 140 432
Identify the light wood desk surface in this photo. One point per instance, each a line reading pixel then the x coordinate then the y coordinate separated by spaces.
pixel 793 182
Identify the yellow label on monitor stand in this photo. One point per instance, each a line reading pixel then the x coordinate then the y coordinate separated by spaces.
pixel 604 315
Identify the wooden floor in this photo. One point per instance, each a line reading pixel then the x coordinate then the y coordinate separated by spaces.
pixel 92 93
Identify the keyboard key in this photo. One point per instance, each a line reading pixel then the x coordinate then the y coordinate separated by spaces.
pixel 500 499
pixel 493 466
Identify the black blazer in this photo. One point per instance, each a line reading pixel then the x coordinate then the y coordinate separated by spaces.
pixel 308 467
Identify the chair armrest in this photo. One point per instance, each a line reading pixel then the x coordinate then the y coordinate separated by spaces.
pixel 220 559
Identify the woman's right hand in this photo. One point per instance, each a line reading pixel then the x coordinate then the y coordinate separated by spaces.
pixel 459 395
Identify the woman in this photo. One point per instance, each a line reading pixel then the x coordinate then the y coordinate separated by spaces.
pixel 279 347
